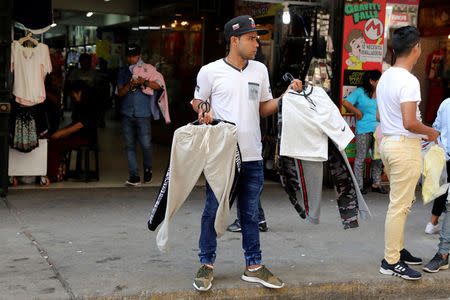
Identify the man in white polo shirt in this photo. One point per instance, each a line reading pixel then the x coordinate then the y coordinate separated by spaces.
pixel 398 97
pixel 238 89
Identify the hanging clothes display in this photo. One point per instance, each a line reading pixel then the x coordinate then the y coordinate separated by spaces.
pixel 305 175
pixel 30 65
pixel 210 149
pixel 32 15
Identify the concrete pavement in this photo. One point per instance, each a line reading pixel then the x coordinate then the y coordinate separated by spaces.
pixel 94 244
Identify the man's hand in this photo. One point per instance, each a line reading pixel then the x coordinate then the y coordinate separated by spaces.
pixel 138 81
pixel 207 117
pixel 296 85
pixel 432 135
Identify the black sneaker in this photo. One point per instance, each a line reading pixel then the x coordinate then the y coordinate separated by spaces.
pixel 399 269
pixel 436 264
pixel 147 175
pixel 235 227
pixel 408 258
pixel 133 181
pixel 263 226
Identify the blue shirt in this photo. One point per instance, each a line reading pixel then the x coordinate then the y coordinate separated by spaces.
pixel 368 107
pixel 442 124
pixel 134 104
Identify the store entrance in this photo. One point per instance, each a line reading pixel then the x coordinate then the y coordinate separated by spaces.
pixel 172 40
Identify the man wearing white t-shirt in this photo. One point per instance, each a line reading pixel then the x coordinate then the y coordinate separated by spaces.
pixel 398 97
pixel 238 89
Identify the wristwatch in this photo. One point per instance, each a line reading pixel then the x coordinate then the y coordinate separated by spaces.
pixel 146 82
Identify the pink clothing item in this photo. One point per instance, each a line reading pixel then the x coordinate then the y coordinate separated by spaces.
pixel 150 73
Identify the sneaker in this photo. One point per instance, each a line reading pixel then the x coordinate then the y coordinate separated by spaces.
pixel 263 276
pixel 379 189
pixel 133 181
pixel 399 269
pixel 436 264
pixel 263 226
pixel 408 258
pixel 235 226
pixel 363 191
pixel 203 279
pixel 432 229
pixel 147 175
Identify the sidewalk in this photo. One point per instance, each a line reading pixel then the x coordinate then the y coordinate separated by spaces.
pixel 94 244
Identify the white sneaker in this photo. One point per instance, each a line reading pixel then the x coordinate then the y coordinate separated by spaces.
pixel 432 229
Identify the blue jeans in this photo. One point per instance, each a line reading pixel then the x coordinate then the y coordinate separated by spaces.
pixel 251 186
pixel 444 245
pixel 261 216
pixel 133 127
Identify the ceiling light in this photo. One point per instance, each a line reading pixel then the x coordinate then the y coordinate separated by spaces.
pixel 184 23
pixel 286 14
pixel 163 26
pixel 135 28
pixel 178 15
pixel 107 0
pixel 173 25
pixel 89 14
pixel 53 25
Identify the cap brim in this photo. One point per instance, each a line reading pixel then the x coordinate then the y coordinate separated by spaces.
pixel 258 31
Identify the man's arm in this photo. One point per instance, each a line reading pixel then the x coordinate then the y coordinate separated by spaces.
pixel 270 107
pixel 411 123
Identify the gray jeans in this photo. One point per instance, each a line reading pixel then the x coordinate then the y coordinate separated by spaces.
pixel 444 245
pixel 363 143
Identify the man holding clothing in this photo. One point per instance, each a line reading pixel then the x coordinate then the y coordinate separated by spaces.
pixel 238 89
pixel 398 96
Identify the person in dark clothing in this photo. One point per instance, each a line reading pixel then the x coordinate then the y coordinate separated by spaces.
pixel 82 131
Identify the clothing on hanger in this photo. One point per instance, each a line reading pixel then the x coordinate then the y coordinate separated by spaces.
pixel 30 65
pixel 303 177
pixel 210 149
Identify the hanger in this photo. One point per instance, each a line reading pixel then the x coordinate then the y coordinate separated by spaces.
pixel 28 37
pixel 206 106
pixel 288 77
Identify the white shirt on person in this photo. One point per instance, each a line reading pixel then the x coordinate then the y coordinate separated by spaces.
pixel 396 86
pixel 235 96
pixel 30 65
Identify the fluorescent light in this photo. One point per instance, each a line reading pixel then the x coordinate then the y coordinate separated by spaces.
pixel 154 27
pixel 107 0
pixel 135 28
pixel 144 27
pixel 89 14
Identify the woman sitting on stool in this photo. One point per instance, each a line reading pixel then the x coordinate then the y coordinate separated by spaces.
pixel 81 132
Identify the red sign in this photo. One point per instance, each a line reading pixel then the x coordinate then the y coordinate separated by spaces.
pixel 362 48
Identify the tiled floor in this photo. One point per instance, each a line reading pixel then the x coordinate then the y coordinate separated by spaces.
pixel 113 162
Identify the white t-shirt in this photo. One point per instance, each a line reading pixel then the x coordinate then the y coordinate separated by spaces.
pixel 235 96
pixel 308 122
pixel 396 86
pixel 30 66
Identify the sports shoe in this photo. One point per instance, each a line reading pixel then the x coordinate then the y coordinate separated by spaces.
pixel 147 175
pixel 399 269
pixel 235 226
pixel 432 229
pixel 133 181
pixel 379 189
pixel 436 264
pixel 408 258
pixel 263 276
pixel 263 226
pixel 203 279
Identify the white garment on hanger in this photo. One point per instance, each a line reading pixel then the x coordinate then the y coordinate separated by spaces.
pixel 307 124
pixel 30 66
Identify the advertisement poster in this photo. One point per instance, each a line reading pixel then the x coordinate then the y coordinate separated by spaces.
pixel 363 41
